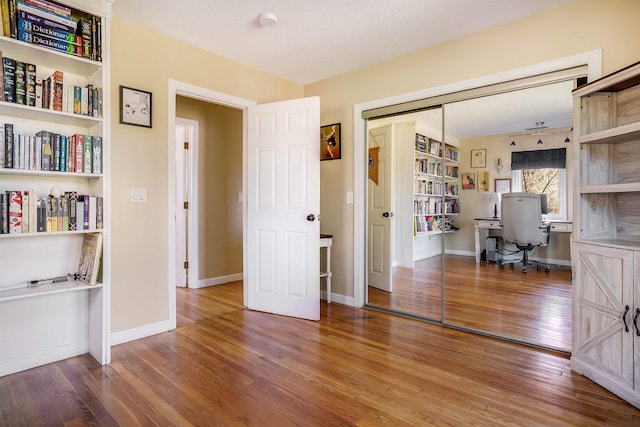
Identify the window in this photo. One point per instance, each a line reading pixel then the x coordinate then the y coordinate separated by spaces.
pixel 549 181
pixel 542 171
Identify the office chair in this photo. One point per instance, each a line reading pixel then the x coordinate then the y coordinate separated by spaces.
pixel 522 225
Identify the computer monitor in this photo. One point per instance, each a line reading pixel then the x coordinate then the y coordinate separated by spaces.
pixel 543 204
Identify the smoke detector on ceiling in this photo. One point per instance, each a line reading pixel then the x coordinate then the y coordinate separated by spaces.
pixel 267 19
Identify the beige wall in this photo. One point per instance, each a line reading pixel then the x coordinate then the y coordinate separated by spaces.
pixel 576 28
pixel 219 182
pixel 147 60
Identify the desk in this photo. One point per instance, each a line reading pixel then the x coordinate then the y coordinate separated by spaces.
pixel 326 240
pixel 495 224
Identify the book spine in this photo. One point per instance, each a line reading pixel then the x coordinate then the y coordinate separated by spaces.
pixel 84 101
pixel 16 151
pixel 4 218
pixel 85 211
pixel 99 213
pixel 4 5
pixel 8 141
pixel 13 18
pixel 39 40
pixel 55 145
pixel 45 15
pixel 32 27
pixel 3 148
pixel 9 78
pixel 79 150
pixel 88 155
pixel 56 8
pixel 84 30
pixel 92 213
pixel 97 154
pixel 63 153
pixel 77 100
pixel 48 216
pixel 14 212
pixel 20 83
pixel 72 197
pixel 30 71
pixel 38 143
pixel 58 87
pixel 42 215
pixel 46 150
pixel 25 212
pixel 33 211
pixel 59 224
pixel 1 78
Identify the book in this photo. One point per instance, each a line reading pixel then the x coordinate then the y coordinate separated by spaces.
pixel 44 16
pixel 8 144
pixel 49 6
pixel 25 212
pixel 20 83
pixel 4 212
pixel 90 255
pixel 88 154
pixel 46 151
pixel 40 40
pixel 92 212
pixel 9 78
pixel 14 209
pixel 2 147
pixel 42 215
pixel 72 200
pixel 58 83
pixel 85 211
pixel 97 154
pixel 30 80
pixel 6 27
pixel 33 211
pixel 99 213
pixel 1 80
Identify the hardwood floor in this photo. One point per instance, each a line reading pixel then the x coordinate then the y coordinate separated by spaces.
pixel 225 365
pixel 533 307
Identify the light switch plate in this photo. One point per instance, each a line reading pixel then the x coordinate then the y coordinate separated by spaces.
pixel 139 195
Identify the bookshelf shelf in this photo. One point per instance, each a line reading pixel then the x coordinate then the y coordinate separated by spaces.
pixel 54 60
pixel 48 289
pixel 47 234
pixel 19 111
pixel 51 174
pixel 40 185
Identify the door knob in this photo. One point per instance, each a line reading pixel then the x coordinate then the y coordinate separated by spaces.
pixel 311 217
pixel 387 214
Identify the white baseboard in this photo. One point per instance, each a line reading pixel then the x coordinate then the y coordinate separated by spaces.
pixel 218 280
pixel 340 299
pixel 139 332
pixel 42 357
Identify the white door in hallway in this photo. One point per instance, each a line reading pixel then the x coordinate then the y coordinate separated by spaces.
pixel 283 208
pixel 380 212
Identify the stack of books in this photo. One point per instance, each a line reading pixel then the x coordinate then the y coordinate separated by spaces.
pixel 53 26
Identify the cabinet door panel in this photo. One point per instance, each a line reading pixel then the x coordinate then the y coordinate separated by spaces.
pixel 604 288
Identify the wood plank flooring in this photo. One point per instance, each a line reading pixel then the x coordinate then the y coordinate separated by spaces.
pixel 227 366
pixel 533 307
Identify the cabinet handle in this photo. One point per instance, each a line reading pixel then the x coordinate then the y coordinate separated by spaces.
pixel 635 321
pixel 624 318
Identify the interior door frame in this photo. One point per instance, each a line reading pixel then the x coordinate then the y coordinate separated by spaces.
pixel 211 96
pixel 593 61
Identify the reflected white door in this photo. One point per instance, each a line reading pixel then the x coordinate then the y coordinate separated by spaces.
pixel 283 208
pixel 380 205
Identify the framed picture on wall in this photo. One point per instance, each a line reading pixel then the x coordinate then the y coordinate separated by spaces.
pixel 503 185
pixel 469 181
pixel 479 158
pixel 135 107
pixel 330 143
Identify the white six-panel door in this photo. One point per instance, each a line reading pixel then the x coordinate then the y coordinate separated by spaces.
pixel 283 208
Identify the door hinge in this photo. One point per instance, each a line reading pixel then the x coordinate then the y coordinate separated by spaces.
pixel 186 264
pixel 186 145
pixel 186 205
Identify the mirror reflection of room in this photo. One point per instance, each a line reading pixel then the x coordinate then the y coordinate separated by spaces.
pixel 448 168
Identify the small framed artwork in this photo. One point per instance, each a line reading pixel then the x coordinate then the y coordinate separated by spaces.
pixel 503 185
pixel 469 181
pixel 479 158
pixel 330 143
pixel 135 107
pixel 483 181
